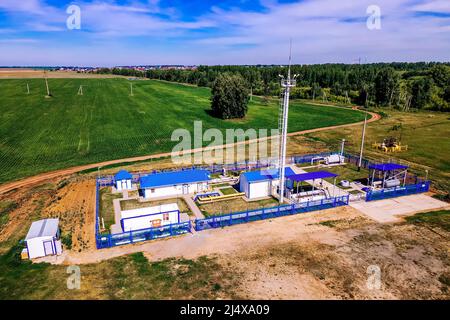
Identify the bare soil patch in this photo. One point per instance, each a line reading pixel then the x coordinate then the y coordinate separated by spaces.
pixel 414 264
pixel 75 207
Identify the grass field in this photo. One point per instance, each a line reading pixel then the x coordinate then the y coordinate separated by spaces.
pixel 440 219
pixel 128 277
pixel 39 134
pixel 235 205
pixel 135 204
pixel 107 206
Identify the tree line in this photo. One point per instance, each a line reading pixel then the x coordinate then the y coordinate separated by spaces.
pixel 406 86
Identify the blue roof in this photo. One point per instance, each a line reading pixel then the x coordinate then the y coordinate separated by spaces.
pixel 173 178
pixel 123 175
pixel 387 166
pixel 267 174
pixel 311 176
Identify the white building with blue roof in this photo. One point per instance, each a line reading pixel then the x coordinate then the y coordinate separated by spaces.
pixel 259 184
pixel 122 180
pixel 174 183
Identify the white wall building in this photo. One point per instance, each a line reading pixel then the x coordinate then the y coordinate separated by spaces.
pixel 259 184
pixel 43 239
pixel 150 217
pixel 174 183
pixel 123 180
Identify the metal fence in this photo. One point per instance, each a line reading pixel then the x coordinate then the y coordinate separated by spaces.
pixel 352 159
pixel 386 193
pixel 219 221
pixel 112 240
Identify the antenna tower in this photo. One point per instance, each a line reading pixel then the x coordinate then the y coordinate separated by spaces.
pixel 286 83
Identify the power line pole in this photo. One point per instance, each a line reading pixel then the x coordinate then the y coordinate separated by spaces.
pixel 46 84
pixel 362 143
pixel 342 147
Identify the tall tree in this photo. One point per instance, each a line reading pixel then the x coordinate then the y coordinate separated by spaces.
pixel 421 92
pixel 441 75
pixel 229 96
pixel 386 87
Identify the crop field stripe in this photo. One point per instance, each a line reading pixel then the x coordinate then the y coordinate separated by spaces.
pixel 41 134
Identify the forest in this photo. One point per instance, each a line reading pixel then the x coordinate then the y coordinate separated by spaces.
pixel 403 86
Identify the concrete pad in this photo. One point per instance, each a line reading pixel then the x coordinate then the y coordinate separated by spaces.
pixel 333 191
pixel 184 217
pixel 391 210
pixel 191 204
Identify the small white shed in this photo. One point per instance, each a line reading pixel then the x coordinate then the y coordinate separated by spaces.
pixel 43 239
pixel 123 180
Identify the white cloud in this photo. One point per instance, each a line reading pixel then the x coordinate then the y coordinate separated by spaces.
pixel 439 6
pixel 322 31
pixel 27 6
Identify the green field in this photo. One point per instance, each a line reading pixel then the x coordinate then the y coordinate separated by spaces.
pixel 39 134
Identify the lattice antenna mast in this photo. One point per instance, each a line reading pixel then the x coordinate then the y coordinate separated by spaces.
pixel 286 84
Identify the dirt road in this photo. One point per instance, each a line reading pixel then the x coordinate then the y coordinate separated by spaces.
pixel 59 173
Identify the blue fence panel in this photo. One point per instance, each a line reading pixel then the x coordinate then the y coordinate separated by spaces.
pixel 397 191
pixel 219 221
pixel 355 160
pixel 112 240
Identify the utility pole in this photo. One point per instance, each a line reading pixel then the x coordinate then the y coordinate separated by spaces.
pixel 286 84
pixel 362 143
pixel 46 84
pixel 342 147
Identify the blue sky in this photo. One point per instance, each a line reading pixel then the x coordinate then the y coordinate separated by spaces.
pixel 126 32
